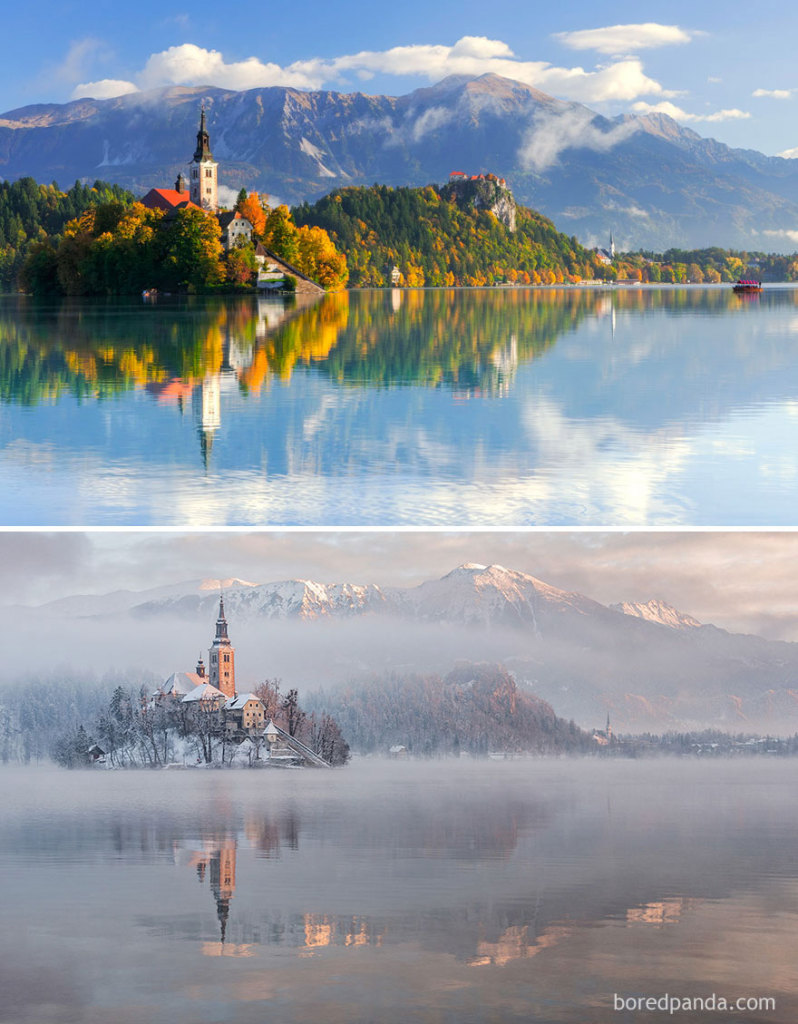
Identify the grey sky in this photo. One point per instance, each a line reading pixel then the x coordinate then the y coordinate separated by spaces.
pixel 738 580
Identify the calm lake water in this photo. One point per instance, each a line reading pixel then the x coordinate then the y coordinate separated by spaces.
pixel 497 407
pixel 529 891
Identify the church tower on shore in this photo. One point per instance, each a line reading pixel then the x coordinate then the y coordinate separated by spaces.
pixel 221 657
pixel 204 189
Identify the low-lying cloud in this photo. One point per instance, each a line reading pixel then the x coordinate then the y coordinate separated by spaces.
pixel 683 116
pixel 551 134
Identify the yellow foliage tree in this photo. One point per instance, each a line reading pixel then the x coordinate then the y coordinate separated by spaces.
pixel 319 259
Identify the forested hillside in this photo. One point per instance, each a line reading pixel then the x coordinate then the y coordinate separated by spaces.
pixel 30 212
pixel 474 709
pixel 704 266
pixel 438 236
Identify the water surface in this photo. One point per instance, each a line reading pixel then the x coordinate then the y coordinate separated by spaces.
pixel 504 407
pixel 527 891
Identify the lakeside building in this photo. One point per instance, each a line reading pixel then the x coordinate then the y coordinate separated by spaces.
pixel 201 191
pixel 235 228
pixel 212 704
pixel 213 694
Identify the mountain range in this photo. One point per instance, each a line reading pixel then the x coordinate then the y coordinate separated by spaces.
pixel 649 665
pixel 652 182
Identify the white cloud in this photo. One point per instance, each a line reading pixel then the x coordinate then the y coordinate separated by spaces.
pixel 105 89
pixel 683 116
pixel 80 54
pixel 551 134
pixel 430 121
pixel 789 154
pixel 625 38
pixel 783 233
pixel 189 64
pixel 193 65
pixel 773 94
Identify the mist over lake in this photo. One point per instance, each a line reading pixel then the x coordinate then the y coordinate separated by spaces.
pixel 653 406
pixel 396 891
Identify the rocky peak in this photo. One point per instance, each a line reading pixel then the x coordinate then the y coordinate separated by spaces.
pixel 483 192
pixel 657 611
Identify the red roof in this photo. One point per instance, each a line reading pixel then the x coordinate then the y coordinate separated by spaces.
pixel 167 199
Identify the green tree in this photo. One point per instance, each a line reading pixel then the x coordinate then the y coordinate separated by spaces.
pixel 192 251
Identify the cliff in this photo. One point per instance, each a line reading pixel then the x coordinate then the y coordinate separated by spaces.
pixel 485 192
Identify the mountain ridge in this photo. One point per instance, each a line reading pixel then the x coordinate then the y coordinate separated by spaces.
pixel 653 182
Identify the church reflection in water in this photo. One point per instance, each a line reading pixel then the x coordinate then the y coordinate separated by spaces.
pixel 270 890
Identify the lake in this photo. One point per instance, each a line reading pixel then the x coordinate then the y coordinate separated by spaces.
pixel 459 891
pixel 500 407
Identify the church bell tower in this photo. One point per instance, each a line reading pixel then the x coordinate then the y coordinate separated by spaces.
pixel 221 656
pixel 204 189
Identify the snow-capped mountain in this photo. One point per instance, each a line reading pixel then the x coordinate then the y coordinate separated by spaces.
pixel 289 599
pixel 657 611
pixel 471 594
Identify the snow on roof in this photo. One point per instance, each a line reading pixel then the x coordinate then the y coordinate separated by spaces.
pixel 180 683
pixel 206 691
pixel 239 702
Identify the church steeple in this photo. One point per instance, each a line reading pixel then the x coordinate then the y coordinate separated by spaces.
pixel 221 657
pixel 204 186
pixel 221 622
pixel 203 150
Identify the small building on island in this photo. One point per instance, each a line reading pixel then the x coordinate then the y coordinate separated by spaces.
pixel 235 228
pixel 212 704
pixel 201 191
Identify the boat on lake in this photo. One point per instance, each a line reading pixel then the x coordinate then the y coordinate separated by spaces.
pixel 748 286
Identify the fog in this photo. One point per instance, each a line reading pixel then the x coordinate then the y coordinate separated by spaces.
pixel 304 654
pixel 584 660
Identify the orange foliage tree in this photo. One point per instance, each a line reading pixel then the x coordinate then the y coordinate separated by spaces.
pixel 254 209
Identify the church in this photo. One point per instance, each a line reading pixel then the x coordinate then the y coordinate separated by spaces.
pixel 202 188
pixel 201 191
pixel 213 693
pixel 212 705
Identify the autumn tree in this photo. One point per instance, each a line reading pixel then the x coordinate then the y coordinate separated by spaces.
pixel 320 260
pixel 240 263
pixel 280 234
pixel 251 206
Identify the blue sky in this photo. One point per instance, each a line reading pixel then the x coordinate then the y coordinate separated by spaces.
pixel 725 69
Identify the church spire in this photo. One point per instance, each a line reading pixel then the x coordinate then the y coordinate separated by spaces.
pixel 203 150
pixel 221 622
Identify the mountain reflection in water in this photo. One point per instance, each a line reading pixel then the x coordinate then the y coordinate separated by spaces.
pixel 512 891
pixel 428 407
